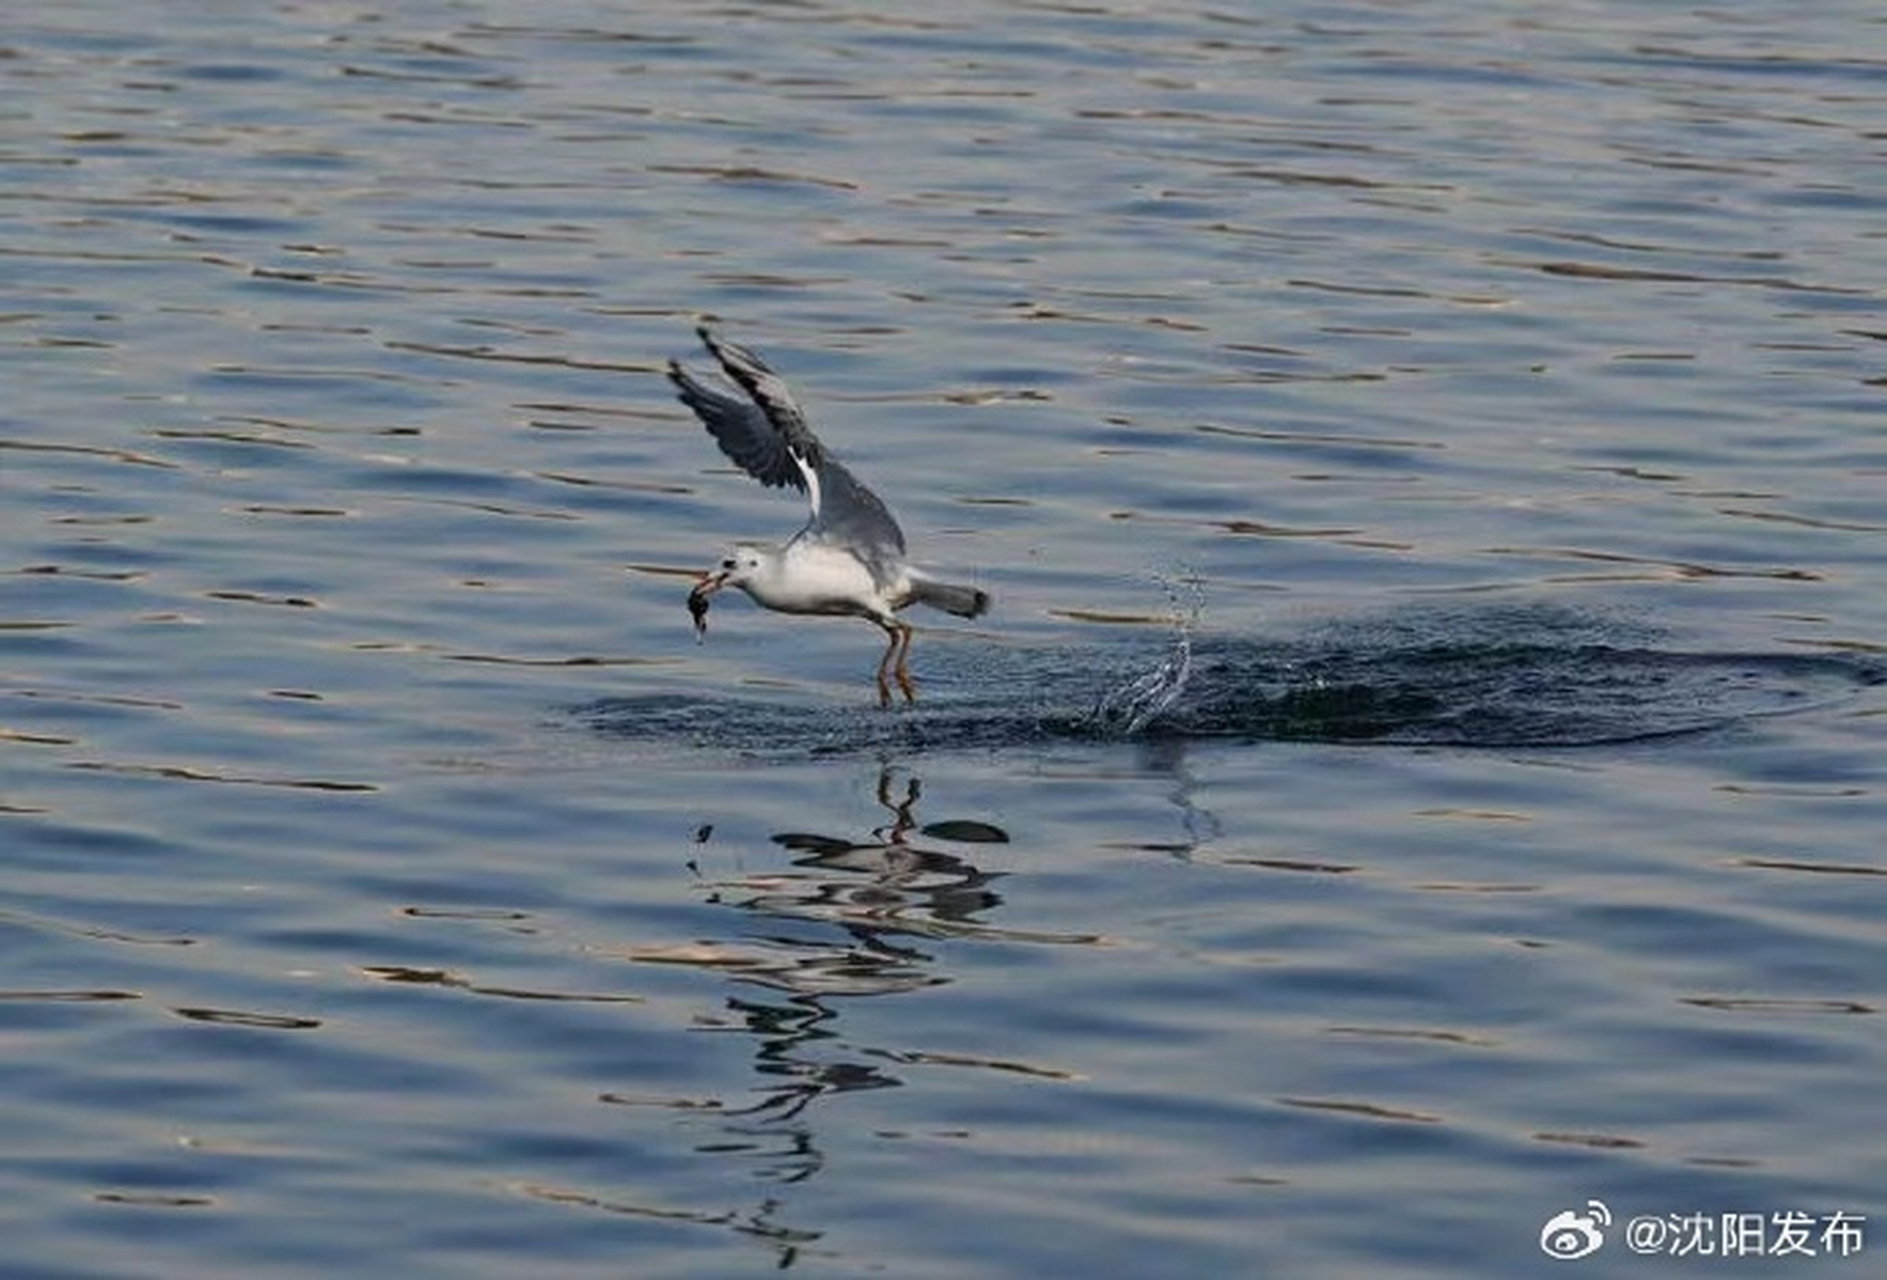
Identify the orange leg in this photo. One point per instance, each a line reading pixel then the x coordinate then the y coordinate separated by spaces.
pixel 904 672
pixel 884 665
pixel 897 650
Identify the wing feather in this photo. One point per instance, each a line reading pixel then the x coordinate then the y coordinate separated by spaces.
pixel 770 440
pixel 742 430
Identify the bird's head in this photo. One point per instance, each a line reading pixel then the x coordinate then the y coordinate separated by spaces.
pixel 736 569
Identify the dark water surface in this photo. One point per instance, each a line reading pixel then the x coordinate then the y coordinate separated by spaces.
pixel 1424 770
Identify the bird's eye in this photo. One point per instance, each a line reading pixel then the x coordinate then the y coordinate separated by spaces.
pixel 729 563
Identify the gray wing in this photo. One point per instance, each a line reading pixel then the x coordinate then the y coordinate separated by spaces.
pixel 746 433
pixel 853 516
pixel 767 437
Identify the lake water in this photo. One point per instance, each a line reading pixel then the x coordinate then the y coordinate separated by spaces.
pixel 1425 769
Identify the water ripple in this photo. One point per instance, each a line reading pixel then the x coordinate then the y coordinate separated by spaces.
pixel 1499 679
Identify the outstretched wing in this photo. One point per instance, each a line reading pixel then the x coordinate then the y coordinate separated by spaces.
pixel 746 433
pixel 769 440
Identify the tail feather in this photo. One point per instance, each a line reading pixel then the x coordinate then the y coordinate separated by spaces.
pixel 965 602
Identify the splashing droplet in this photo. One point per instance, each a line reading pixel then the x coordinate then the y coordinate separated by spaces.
pixel 1128 709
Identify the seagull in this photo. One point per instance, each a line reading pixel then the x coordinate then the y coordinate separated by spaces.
pixel 849 560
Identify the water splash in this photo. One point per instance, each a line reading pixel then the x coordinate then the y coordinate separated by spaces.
pixel 1501 677
pixel 1127 709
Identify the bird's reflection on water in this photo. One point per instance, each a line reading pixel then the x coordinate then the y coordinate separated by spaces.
pixel 897 882
pixel 848 917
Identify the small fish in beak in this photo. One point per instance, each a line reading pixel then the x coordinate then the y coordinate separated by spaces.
pixel 698 602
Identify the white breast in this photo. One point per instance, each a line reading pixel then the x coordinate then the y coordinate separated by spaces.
pixel 812 577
